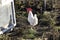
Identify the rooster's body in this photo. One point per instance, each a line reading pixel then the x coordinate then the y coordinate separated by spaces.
pixel 32 19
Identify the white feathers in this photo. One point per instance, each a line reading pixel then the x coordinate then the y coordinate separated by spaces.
pixel 33 20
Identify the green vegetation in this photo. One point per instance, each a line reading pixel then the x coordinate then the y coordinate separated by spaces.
pixel 29 33
pixel 48 22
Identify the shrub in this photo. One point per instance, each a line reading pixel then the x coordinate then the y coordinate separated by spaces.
pixel 29 33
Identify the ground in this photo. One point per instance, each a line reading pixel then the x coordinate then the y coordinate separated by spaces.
pixel 48 25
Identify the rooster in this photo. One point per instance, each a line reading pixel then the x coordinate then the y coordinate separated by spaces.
pixel 32 19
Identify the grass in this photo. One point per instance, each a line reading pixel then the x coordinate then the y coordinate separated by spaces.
pixel 22 30
pixel 57 27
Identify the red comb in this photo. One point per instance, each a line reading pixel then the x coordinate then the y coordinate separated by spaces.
pixel 29 9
